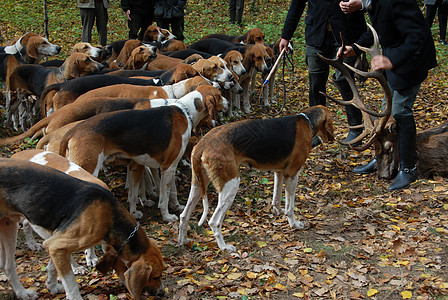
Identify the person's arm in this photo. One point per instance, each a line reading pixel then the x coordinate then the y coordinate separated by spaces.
pixel 292 19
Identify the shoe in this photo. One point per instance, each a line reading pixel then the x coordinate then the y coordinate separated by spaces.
pixel 404 179
pixel 369 168
pixel 316 141
pixel 353 134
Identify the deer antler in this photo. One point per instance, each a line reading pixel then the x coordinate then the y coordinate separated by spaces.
pixel 370 129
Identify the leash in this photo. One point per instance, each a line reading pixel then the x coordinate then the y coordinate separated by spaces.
pixel 285 57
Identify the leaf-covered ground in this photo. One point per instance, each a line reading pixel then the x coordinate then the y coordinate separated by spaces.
pixel 361 241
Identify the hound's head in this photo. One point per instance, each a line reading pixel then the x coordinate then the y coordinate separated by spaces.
pixel 214 69
pixel 321 122
pixel 140 57
pixel 212 102
pixel 38 47
pixel 88 49
pixel 257 56
pixel 153 34
pixel 234 60
pixel 80 64
pixel 255 36
pixel 168 35
pixel 182 72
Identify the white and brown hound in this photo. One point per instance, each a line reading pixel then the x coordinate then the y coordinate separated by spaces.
pixel 36 192
pixel 280 144
pixel 154 137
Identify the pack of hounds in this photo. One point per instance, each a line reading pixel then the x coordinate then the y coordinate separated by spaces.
pixel 142 104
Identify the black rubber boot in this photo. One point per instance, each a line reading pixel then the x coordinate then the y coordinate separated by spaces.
pixel 318 83
pixel 407 172
pixel 354 115
pixel 369 168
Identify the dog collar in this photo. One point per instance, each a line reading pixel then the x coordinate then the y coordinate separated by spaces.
pixel 187 112
pixel 308 119
pixel 63 76
pixel 129 237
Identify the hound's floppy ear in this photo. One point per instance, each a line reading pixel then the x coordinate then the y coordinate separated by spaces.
pixel 72 65
pixel 136 277
pixel 111 260
pixel 31 49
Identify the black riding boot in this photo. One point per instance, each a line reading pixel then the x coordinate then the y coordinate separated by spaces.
pixel 369 168
pixel 354 115
pixel 407 172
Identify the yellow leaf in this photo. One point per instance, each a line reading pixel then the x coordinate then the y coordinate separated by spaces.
pixel 242 291
pixel 445 206
pixel 406 295
pixel 261 244
pixel 441 230
pixel 234 276
pixel 251 275
pixel 372 292
pixel 298 295
pixel 279 287
pixel 291 276
pixel 403 262
pixel 308 250
pixel 439 188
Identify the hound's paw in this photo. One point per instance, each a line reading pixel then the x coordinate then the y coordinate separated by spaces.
pixel 137 214
pixel 228 248
pixel 178 208
pixel 26 294
pixel 277 211
pixel 183 241
pixel 80 270
pixel 297 225
pixel 91 259
pixel 55 288
pixel 170 218
pixel 35 246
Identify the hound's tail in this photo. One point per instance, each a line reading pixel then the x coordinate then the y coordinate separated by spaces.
pixel 46 98
pixel 200 178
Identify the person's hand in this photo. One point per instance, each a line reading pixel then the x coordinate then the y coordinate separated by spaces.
pixel 128 13
pixel 283 44
pixel 350 6
pixel 349 51
pixel 381 62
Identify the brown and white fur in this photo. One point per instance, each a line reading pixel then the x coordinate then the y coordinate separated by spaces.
pixel 53 160
pixel 281 145
pixel 88 49
pixel 141 135
pixel 41 194
pixel 32 79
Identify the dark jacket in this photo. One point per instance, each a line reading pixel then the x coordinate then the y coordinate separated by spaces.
pixel 405 39
pixel 167 9
pixel 142 7
pixel 318 15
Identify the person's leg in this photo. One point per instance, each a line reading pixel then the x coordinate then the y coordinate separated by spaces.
pixel 443 15
pixel 404 116
pixel 430 14
pixel 354 115
pixel 318 72
pixel 146 21
pixel 177 26
pixel 87 20
pixel 134 25
pixel 232 11
pixel 239 11
pixel 101 22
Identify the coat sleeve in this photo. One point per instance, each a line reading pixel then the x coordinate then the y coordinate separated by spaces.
pixel 295 11
pixel 412 29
